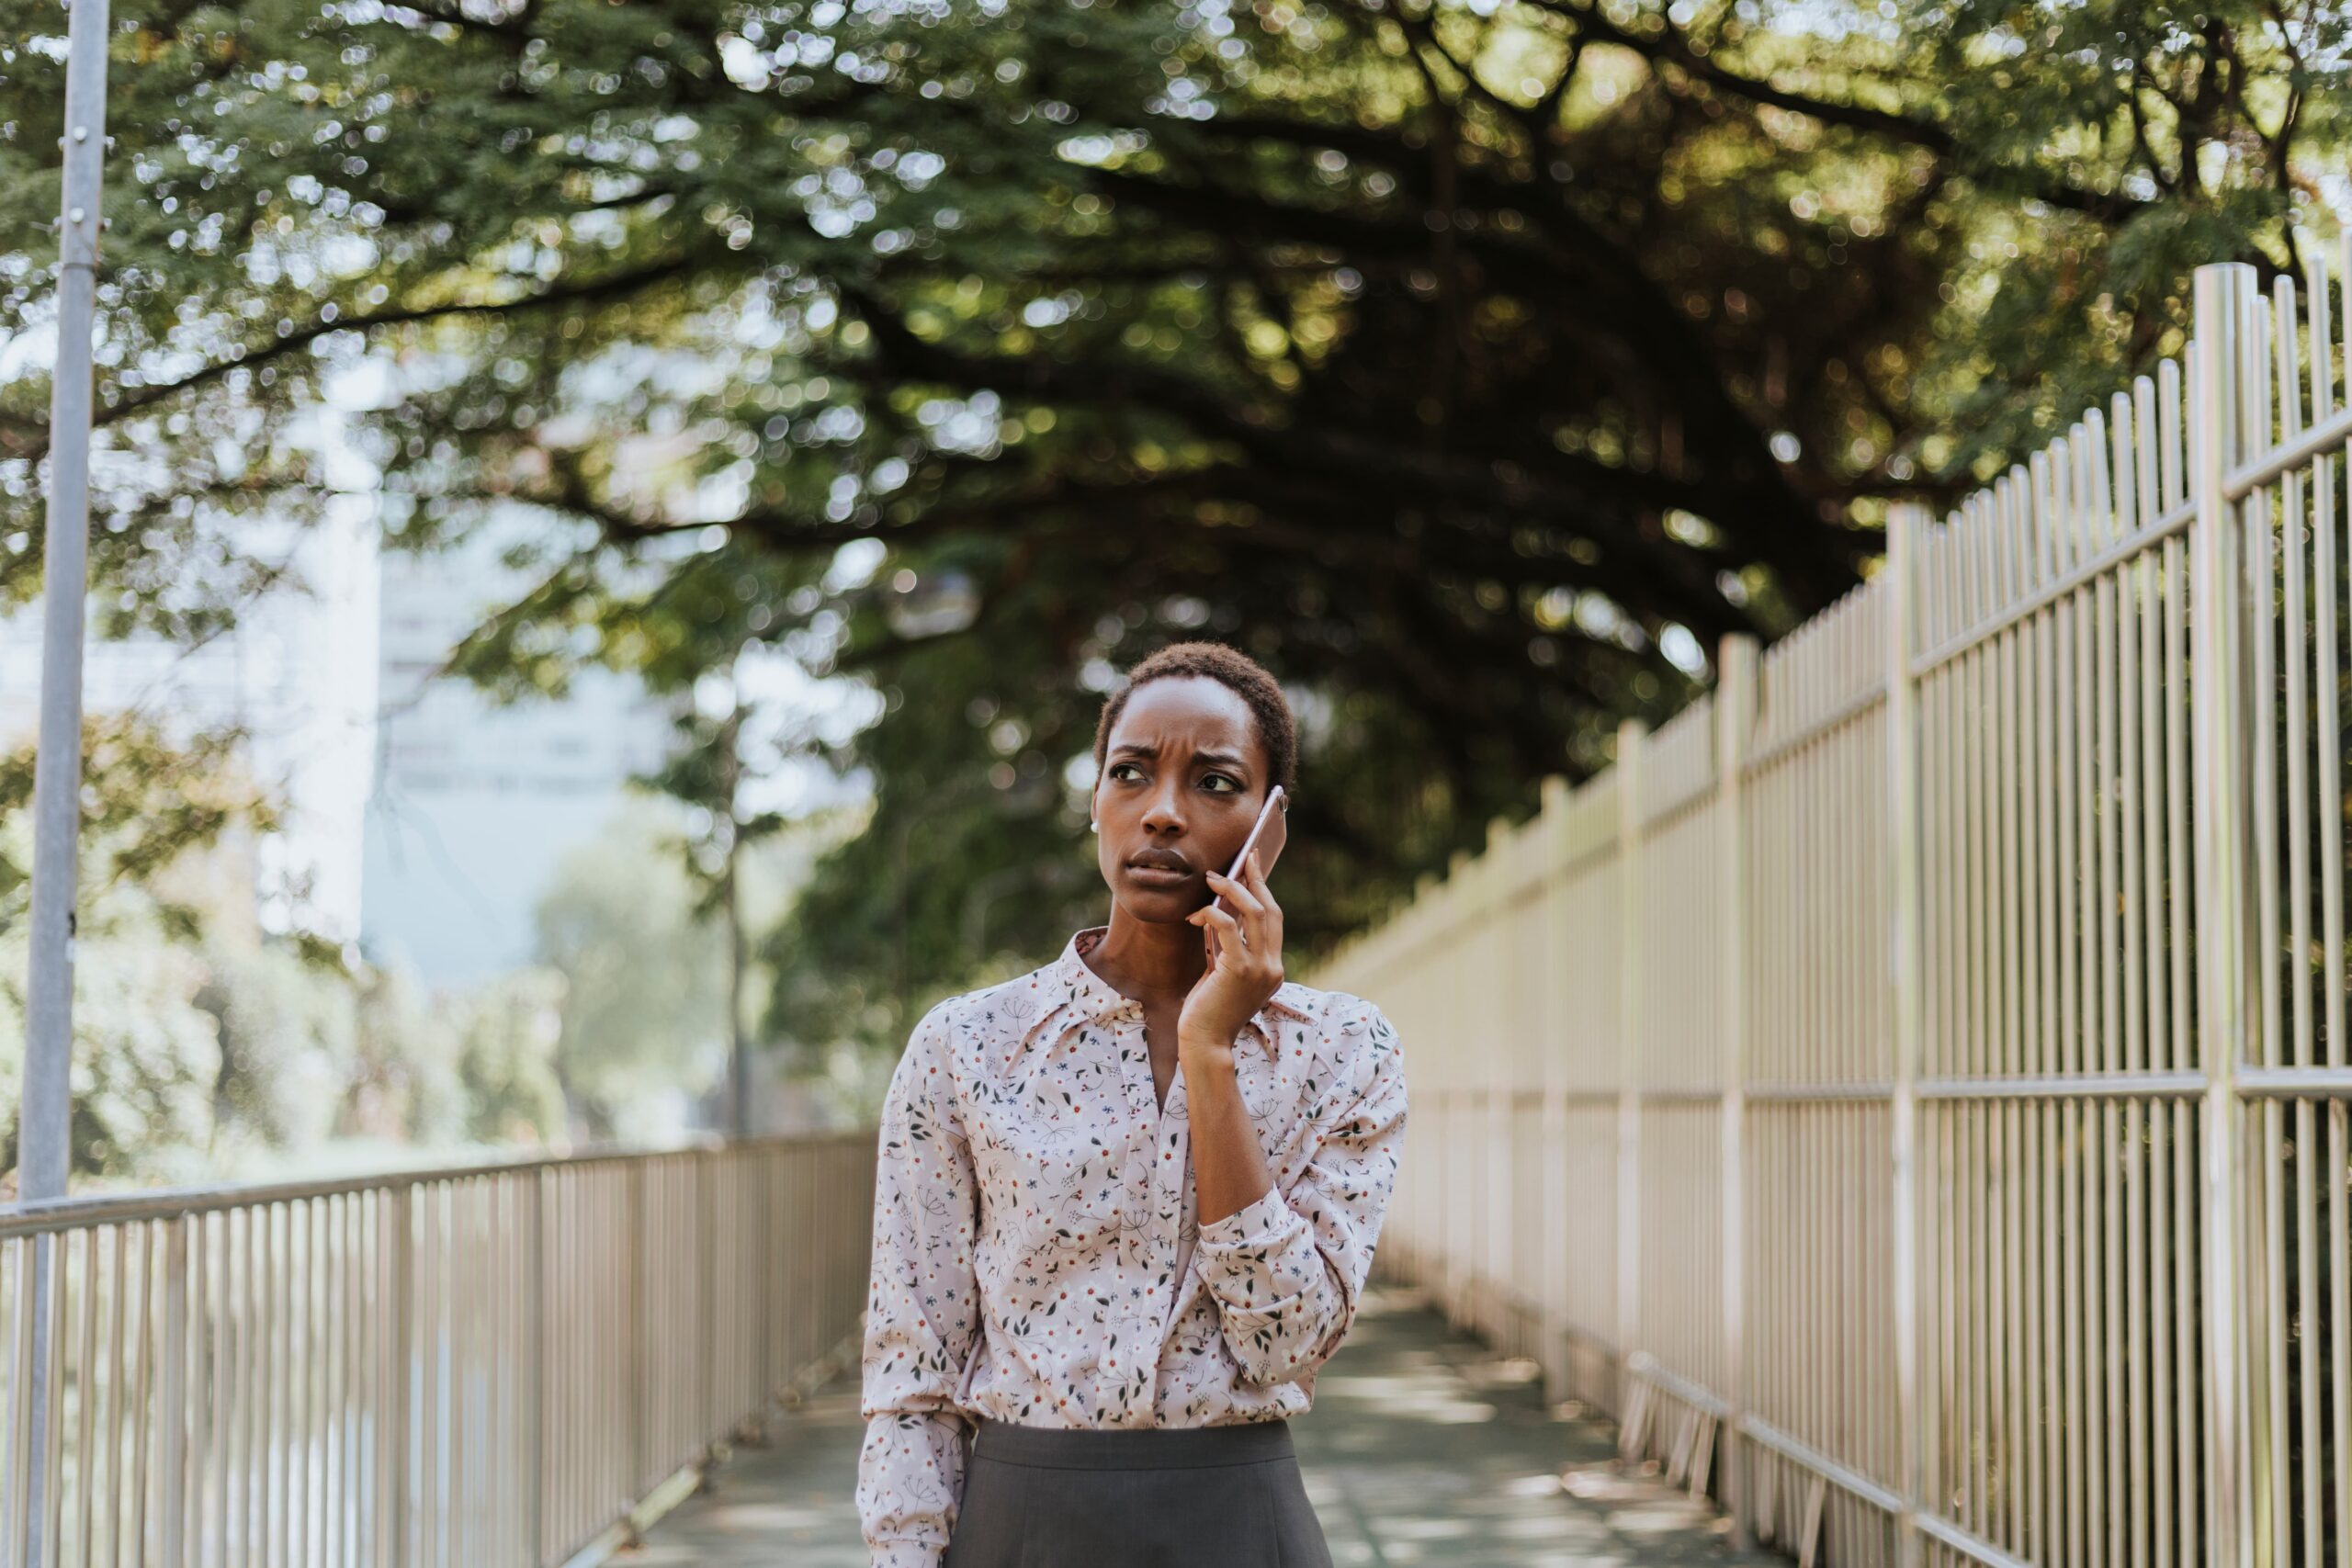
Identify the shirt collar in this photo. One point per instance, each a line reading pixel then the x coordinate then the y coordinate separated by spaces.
pixel 1095 1000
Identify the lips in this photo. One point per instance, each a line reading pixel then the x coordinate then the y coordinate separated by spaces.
pixel 1162 862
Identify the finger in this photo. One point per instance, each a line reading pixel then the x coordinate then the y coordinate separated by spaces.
pixel 1256 873
pixel 1264 918
pixel 1209 917
pixel 1235 894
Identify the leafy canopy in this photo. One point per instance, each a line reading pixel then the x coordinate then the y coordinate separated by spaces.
pixel 1476 363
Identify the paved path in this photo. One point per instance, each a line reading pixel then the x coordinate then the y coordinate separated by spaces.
pixel 1421 1449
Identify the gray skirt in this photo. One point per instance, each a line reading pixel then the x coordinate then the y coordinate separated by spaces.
pixel 1162 1497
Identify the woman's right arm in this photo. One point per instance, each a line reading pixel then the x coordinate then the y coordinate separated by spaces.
pixel 922 1310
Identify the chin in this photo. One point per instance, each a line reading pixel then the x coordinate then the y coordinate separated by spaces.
pixel 1158 904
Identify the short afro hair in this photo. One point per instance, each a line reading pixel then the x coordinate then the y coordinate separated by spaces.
pixel 1277 730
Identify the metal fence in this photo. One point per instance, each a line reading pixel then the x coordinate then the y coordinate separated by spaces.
pixel 1909 1091
pixel 442 1369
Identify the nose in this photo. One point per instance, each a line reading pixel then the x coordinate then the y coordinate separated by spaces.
pixel 1163 815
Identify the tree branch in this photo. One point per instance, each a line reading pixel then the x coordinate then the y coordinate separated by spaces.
pixel 1669 46
pixel 130 403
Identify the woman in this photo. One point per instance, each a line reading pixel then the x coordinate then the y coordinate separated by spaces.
pixel 1126 1202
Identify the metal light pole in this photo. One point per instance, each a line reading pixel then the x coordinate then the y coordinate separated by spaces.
pixel 45 1110
pixel 57 765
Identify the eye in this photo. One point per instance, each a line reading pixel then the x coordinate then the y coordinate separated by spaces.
pixel 1113 770
pixel 1235 790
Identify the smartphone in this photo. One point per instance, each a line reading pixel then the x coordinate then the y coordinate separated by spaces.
pixel 1267 836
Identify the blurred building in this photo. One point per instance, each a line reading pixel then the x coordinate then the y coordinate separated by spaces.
pixel 297 672
pixel 475 803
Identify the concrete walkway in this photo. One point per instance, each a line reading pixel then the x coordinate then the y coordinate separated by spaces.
pixel 1421 1449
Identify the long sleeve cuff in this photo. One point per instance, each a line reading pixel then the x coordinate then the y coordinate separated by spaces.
pixel 1261 1258
pixel 906 1555
pixel 1252 1225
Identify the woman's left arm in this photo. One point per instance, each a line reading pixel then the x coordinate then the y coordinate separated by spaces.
pixel 1285 1268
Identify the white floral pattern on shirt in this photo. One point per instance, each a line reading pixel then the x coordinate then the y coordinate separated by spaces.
pixel 1037 1255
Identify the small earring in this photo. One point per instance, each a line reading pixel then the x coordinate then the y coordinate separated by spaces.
pixel 1094 826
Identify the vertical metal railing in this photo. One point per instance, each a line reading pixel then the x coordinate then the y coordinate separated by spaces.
pixel 2216 432
pixel 1930 1128
pixel 1629 1074
pixel 495 1365
pixel 1907 1016
pixel 1736 721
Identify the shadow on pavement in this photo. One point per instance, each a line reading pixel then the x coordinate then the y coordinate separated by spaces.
pixel 1422 1447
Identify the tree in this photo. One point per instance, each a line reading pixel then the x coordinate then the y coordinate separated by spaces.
pixel 644 976
pixel 508 1033
pixel 1475 365
pixel 202 1045
pixel 146 1052
pixel 285 1028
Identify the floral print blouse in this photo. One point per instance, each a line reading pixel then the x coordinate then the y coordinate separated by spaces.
pixel 1037 1258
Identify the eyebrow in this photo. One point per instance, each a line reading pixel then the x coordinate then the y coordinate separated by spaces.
pixel 1221 759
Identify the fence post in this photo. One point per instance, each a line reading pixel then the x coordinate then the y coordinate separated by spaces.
pixel 1559 1358
pixel 2223 296
pixel 175 1358
pixel 1630 735
pixel 761 1199
pixel 709 1408
pixel 536 1332
pixel 1430 1195
pixel 404 1264
pixel 1459 1243
pixel 1735 724
pixel 635 1330
pixel 1904 528
pixel 1499 1212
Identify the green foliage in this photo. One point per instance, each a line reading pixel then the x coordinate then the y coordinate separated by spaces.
pixel 145 1055
pixel 148 800
pixel 508 1033
pixel 643 975
pixel 202 1048
pixel 2125 144
pixel 285 1032
pixel 1475 365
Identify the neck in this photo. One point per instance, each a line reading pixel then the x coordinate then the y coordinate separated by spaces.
pixel 1153 962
